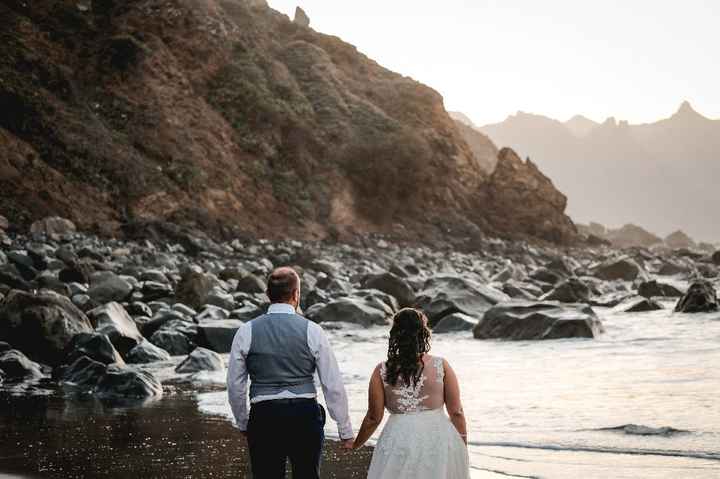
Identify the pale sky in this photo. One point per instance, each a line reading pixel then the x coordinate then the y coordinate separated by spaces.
pixel 636 60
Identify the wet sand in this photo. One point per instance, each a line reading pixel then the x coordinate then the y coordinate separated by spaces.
pixel 49 436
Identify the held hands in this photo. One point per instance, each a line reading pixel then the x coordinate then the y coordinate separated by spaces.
pixel 347 444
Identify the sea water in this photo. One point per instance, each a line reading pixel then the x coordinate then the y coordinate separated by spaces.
pixel 640 401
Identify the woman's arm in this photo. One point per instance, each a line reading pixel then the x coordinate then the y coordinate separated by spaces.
pixel 376 409
pixel 452 401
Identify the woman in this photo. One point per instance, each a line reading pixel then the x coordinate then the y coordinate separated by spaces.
pixel 418 441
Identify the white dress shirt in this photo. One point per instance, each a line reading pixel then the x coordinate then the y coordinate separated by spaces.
pixel 327 369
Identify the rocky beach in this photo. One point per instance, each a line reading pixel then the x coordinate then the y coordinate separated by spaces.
pixel 106 329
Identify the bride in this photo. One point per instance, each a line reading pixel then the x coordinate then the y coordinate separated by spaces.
pixel 419 440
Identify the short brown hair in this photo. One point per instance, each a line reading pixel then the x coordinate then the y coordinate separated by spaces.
pixel 282 284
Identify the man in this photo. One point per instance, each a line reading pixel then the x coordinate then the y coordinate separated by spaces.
pixel 280 352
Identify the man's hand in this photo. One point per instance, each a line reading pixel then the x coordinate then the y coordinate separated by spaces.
pixel 347 444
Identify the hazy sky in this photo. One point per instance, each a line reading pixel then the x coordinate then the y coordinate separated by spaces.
pixel 633 59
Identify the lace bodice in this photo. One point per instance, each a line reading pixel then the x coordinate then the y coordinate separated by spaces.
pixel 428 394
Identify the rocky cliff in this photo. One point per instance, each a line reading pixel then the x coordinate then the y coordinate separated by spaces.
pixel 229 117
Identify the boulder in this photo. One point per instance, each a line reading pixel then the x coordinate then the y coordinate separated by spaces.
pixel 716 258
pixel 455 322
pixel 126 383
pixel 701 297
pixel 41 326
pixel 521 290
pixel 4 347
pixel 11 277
pixel 17 367
pixel 349 310
pixel 393 285
pixel 194 289
pixel 153 290
pixel 610 300
pixel 84 373
pixel 445 295
pixel 221 300
pixel 110 288
pixel 527 320
pixel 201 359
pixel 53 227
pixel 247 312
pixel 625 269
pixel 96 346
pixel 113 321
pixel 218 335
pixel 174 342
pixel 146 352
pixel 251 284
pixel 77 271
pixel 571 290
pixel 638 304
pixel 671 268
pixel 160 319
pixel 4 223
pixel 548 276
pixel 650 289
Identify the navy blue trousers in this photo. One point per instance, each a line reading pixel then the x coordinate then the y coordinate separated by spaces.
pixel 286 429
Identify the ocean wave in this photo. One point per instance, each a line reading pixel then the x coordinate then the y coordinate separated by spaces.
pixel 712 456
pixel 641 430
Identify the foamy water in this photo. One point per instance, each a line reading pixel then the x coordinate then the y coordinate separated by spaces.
pixel 551 409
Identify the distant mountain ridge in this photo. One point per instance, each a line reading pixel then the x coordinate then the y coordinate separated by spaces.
pixel 663 175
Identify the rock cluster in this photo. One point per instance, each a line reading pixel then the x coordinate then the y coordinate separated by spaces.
pixel 146 301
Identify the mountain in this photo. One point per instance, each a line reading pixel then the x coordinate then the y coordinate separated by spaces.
pixel 662 175
pixel 484 150
pixel 226 116
pixel 580 126
pixel 462 118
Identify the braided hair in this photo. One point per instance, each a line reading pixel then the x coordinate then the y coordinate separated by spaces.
pixel 409 340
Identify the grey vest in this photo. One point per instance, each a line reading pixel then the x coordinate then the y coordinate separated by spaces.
pixel 279 358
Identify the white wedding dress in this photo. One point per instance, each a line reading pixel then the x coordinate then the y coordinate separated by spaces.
pixel 419 441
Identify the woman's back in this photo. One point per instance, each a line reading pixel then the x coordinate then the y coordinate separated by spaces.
pixel 428 394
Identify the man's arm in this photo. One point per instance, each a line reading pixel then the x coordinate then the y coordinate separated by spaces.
pixel 331 380
pixel 237 376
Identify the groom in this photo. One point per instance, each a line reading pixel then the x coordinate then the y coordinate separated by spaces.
pixel 280 351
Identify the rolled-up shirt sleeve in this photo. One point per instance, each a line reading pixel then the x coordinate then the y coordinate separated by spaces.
pixel 237 376
pixel 331 380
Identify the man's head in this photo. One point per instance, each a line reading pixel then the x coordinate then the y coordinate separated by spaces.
pixel 283 286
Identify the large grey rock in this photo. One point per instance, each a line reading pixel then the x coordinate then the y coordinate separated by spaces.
pixel 113 321
pixel 650 289
pixel 84 373
pixel 251 284
pixel 445 295
pixel 126 383
pixel 571 290
pixel 174 342
pixel 218 335
pixel 625 269
pixel 194 288
pixel 41 326
pixel 638 304
pixel 455 322
pixel 53 227
pixel 349 310
pixel 201 359
pixel 17 367
pixel 96 346
pixel 146 352
pixel 526 320
pixel 701 297
pixel 110 288
pixel 393 285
